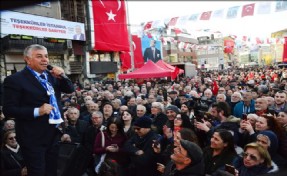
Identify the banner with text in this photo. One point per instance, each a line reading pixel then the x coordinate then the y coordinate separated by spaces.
pixel 26 24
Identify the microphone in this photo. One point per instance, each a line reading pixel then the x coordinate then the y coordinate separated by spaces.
pixel 62 75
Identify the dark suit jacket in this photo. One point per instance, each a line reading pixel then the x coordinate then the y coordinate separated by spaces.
pixel 82 37
pixel 148 55
pixel 23 93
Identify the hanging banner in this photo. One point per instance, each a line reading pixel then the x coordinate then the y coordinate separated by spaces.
pixel 26 24
pixel 285 50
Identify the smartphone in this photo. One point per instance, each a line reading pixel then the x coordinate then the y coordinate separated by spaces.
pixel 230 169
pixel 244 116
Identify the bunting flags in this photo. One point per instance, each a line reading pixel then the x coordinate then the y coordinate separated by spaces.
pixel 232 12
pixel 264 8
pixel 172 22
pixel 110 26
pixel 181 21
pixel 205 15
pixel 157 24
pixel 193 17
pixel 218 13
pixel 280 6
pixel 248 10
pixel 244 38
pixel 148 25
pixel 258 41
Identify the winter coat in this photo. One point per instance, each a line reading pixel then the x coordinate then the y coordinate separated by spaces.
pixel 195 169
pixel 250 171
pixel 145 164
pixel 212 163
pixel 238 109
pixel 11 162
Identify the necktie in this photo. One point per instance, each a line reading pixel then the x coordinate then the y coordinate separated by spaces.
pixel 153 53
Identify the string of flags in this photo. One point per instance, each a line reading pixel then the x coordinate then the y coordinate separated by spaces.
pixel 154 29
pixel 252 9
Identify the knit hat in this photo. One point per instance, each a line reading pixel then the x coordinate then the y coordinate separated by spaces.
pixel 173 108
pixel 193 150
pixel 273 146
pixel 143 122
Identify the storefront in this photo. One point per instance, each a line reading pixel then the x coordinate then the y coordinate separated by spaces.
pixel 19 30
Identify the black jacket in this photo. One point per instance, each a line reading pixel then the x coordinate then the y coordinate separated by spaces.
pixel 196 169
pixel 11 162
pixel 145 164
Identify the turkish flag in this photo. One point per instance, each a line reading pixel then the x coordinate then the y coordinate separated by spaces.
pixel 175 73
pixel 148 25
pixel 110 25
pixel 248 10
pixel 205 15
pixel 172 21
pixel 138 57
pixel 244 38
pixel 285 50
pixel 228 46
pixel 258 41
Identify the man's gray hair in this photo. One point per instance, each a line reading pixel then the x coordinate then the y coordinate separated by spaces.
pixel 141 107
pixel 159 105
pixel 98 113
pixel 28 49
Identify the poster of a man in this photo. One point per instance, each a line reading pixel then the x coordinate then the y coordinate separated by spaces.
pixel 152 53
pixel 79 35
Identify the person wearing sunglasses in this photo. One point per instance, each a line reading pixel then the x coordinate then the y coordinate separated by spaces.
pixel 255 161
pixel 12 163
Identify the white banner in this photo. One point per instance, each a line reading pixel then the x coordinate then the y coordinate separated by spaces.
pixel 26 24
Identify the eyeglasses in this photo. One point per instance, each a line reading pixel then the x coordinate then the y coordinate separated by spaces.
pixel 154 107
pixel 11 138
pixel 252 157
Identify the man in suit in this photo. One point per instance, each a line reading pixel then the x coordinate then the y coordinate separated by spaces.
pixel 152 53
pixel 79 35
pixel 28 97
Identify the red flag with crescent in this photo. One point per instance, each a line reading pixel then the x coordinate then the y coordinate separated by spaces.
pixel 248 10
pixel 285 50
pixel 138 57
pixel 110 25
pixel 205 15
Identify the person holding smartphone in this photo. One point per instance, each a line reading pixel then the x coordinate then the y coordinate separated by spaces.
pixel 113 143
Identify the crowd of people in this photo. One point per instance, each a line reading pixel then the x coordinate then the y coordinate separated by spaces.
pixel 229 122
